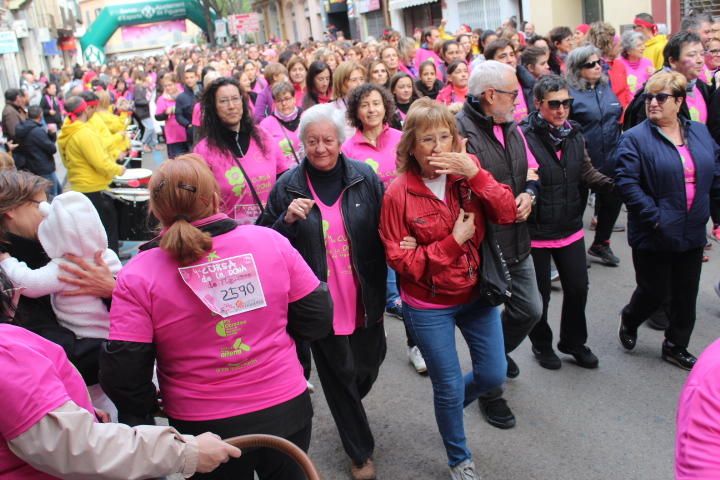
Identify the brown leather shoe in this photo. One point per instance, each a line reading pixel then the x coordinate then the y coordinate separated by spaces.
pixel 366 471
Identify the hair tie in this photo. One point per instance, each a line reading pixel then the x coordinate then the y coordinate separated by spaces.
pixel 182 217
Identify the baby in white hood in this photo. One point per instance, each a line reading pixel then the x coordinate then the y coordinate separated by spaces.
pixel 71 226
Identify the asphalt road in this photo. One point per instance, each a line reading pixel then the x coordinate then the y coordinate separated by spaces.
pixel 616 422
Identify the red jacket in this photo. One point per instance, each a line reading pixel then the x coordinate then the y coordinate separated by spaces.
pixel 618 80
pixel 439 270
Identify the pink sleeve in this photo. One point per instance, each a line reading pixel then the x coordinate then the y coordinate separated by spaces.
pixel 302 279
pixel 31 389
pixel 161 104
pixel 130 318
pixel 698 438
pixel 532 161
pixel 196 115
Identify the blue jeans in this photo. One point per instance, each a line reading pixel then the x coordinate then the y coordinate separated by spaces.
pixel 56 188
pixel 392 297
pixel 434 331
pixel 149 137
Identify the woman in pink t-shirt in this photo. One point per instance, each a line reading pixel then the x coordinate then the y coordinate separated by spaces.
pixel 329 208
pixel 219 306
pixel 638 68
pixel 48 419
pixel 282 123
pixel 175 134
pixel 243 157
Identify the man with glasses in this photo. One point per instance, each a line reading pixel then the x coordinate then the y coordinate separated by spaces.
pixel 486 120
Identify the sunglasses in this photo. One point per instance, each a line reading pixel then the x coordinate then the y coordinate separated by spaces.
pixel 514 94
pixel 660 97
pixel 590 64
pixel 556 104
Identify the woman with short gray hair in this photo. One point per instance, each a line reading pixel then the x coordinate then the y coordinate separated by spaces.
pixel 598 111
pixel 639 69
pixel 329 209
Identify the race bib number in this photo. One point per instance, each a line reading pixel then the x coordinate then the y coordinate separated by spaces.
pixel 246 214
pixel 228 286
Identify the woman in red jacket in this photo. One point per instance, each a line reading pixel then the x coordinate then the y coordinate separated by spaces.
pixel 443 199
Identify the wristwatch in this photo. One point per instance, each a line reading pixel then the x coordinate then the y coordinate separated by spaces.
pixel 532 196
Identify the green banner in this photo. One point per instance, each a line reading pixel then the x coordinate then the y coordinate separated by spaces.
pixel 113 17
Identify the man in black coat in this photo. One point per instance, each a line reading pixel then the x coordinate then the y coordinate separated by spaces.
pixel 185 102
pixel 36 148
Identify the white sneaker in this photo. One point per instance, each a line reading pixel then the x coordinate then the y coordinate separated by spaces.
pixel 417 360
pixel 464 471
pixel 310 387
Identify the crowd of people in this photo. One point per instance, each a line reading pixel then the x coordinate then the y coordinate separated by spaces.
pixel 314 189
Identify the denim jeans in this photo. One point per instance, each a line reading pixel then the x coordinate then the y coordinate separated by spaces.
pixel 149 138
pixel 392 296
pixel 434 331
pixel 56 188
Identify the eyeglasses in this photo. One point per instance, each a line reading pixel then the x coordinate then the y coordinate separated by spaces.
pixel 285 100
pixel 514 93
pixel 660 97
pixel 714 52
pixel 556 104
pixel 590 64
pixel 225 102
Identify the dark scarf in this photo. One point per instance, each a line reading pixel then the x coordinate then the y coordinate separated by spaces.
pixel 429 92
pixel 234 141
pixel 556 135
pixel 404 107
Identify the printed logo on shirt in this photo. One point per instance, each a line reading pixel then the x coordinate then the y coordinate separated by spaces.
pixel 236 178
pixel 212 256
pixel 229 328
pixel 632 81
pixel 238 348
pixel 694 114
pixel 326 227
pixel 285 147
pixel 373 164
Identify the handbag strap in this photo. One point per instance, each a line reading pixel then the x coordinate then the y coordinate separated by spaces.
pixel 256 197
pixel 292 149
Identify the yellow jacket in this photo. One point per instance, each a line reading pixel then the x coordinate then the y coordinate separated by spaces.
pixel 109 141
pixel 654 50
pixel 116 125
pixel 89 167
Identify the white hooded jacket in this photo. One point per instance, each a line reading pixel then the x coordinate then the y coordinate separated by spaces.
pixel 71 226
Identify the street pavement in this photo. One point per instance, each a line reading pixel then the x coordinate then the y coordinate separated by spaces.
pixel 616 422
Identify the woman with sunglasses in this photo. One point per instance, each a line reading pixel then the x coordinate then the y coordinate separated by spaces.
pixel 556 221
pixel 598 111
pixel 667 172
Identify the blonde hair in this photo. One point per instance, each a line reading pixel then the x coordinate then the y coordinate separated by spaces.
pixel 425 113
pixel 103 100
pixel 6 162
pixel 341 75
pixel 182 191
pixel 675 81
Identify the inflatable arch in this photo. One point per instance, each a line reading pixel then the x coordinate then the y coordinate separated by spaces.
pixel 113 17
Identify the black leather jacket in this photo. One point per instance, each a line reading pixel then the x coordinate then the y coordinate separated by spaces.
pixel 361 201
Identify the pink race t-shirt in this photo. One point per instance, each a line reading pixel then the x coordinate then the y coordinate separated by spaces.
pixel 262 167
pixel 174 132
pixel 381 158
pixel 37 378
pixel 697 438
pixel 212 366
pixel 637 72
pixel 197 115
pixel 696 106
pixel 688 165
pixel 498 131
pixel 521 109
pixel 342 282
pixel 287 140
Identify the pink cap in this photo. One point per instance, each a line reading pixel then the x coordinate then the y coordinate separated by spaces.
pixel 583 27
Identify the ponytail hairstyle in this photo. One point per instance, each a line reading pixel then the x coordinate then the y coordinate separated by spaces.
pixel 182 191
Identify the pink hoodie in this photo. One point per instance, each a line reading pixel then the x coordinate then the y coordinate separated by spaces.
pixel 217 365
pixel 262 166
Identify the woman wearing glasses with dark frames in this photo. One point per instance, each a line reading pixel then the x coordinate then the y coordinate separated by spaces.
pixel 598 111
pixel 556 221
pixel 668 174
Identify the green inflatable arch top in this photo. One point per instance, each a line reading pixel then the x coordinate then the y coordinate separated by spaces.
pixel 115 16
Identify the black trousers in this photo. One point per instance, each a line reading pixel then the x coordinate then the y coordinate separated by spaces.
pixel 607 210
pixel 105 207
pixel 177 149
pixel 570 263
pixel 268 463
pixel 660 275
pixel 348 365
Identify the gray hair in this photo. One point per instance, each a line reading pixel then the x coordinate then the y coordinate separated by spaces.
pixel 488 74
pixel 631 39
pixel 405 46
pixel 575 60
pixel 322 113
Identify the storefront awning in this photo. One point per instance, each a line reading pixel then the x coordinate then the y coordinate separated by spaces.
pixel 401 4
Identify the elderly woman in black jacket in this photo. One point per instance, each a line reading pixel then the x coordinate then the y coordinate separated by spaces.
pixel 329 209
pixel 555 224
